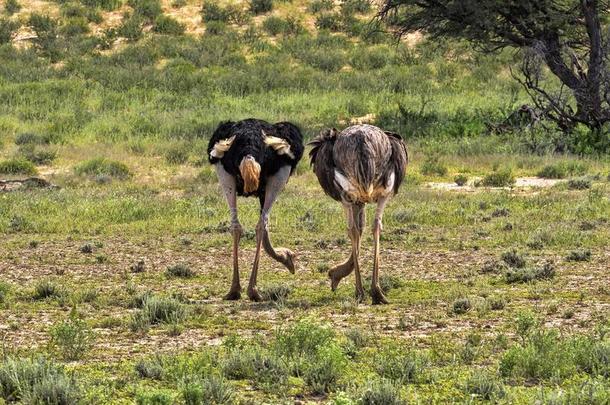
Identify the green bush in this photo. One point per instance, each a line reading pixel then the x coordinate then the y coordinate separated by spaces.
pixel 131 28
pixel 484 385
pixel 47 289
pixel 167 25
pixel 460 179
pixel 177 154
pixel 11 7
pixel 154 397
pixel 365 58
pixel 579 256
pixel 74 26
pixel 275 25
pixel 316 6
pixel 71 338
pixel 35 155
pixel 382 392
pixel 7 30
pixel 325 60
pixel 180 270
pixel 107 5
pixel 152 368
pixel 5 289
pixel 355 6
pixel 17 166
pixel 432 166
pixel 155 310
pixel 527 274
pixel 513 258
pixel 231 13
pixel 261 6
pixel 211 389
pixel 401 367
pixel 461 305
pixel 47 40
pixel 30 138
pixel 579 184
pixel 103 167
pixel 278 292
pixel 148 9
pixel 37 381
pixel 563 169
pixel 499 178
pixel 328 21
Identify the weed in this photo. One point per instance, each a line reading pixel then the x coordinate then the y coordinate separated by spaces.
pixel 316 6
pixel 380 392
pixel 460 179
pixel 525 275
pixel 148 9
pixel 152 368
pixel 8 30
pixel 103 167
pixel 154 397
pixel 86 248
pixel 138 267
pixel 580 255
pixel 37 381
pixel 47 289
pixel 432 166
pixel 461 306
pixel 157 310
pixel 514 259
pixel 499 178
pixel 72 338
pixel 562 169
pixel 261 6
pixel 210 389
pixel 579 184
pixel 5 289
pixel 180 270
pixel 177 155
pixel 276 292
pixel 484 385
pixel 17 166
pixel 401 367
pixel 496 303
pixel 36 155
pixel 325 369
pixel 168 25
pixel 493 266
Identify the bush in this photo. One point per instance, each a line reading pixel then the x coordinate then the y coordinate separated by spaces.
pixel 513 259
pixel 30 138
pixel 231 13
pixel 328 21
pixel 46 40
pixel 403 368
pixel 103 167
pixel 180 270
pixel 484 385
pixel 75 26
pixel 17 166
pixel 148 9
pixel 579 256
pixel 460 179
pixel 131 28
pixel 154 397
pixel 371 58
pixel 355 6
pixel 7 30
pixel 261 6
pixel 37 156
pixel 323 372
pixel 212 389
pixel 167 25
pixel 107 5
pixel 461 306
pixel 11 7
pixel 156 310
pixel 432 166
pixel 276 292
pixel 177 155
pixel 275 25
pixel 525 275
pixel 579 184
pixel 315 6
pixel 36 381
pixel 47 289
pixel 256 364
pixel 4 292
pixel 499 178
pixel 382 392
pixel 152 368
pixel 72 338
pixel 562 170
pixel 325 60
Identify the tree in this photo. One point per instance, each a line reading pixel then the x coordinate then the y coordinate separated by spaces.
pixel 565 35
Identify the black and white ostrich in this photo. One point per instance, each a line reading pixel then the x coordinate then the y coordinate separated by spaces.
pixel 361 164
pixel 255 158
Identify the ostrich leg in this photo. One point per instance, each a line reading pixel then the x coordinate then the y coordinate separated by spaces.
pixel 376 293
pixel 337 273
pixel 355 228
pixel 274 185
pixel 227 183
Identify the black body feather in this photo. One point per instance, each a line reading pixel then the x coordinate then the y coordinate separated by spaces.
pixel 250 140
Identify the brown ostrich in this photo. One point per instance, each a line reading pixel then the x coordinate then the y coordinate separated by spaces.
pixel 361 164
pixel 255 158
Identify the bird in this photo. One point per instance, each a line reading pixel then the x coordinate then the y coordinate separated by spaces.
pixel 254 158
pixel 359 165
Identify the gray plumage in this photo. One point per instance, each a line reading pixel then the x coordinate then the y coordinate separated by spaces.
pixel 361 164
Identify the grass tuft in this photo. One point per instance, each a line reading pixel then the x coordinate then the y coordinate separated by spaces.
pixel 103 167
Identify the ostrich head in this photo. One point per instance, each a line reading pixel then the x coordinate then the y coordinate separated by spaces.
pixel 250 171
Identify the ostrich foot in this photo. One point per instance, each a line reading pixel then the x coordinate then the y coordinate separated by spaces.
pixel 233 295
pixel 378 297
pixel 254 295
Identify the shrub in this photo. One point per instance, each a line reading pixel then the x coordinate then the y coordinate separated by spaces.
pixel 17 166
pixel 401 367
pixel 493 266
pixel 579 184
pixel 261 6
pixel 315 6
pixel 46 40
pixel 7 30
pixel 525 275
pixel 432 166
pixel 72 338
pixel 37 156
pixel 46 289
pixel 167 25
pixel 461 306
pixel 36 381
pixel 30 138
pixel 275 25
pixel 231 13
pixel 177 155
pixel 325 60
pixel 499 178
pixel 381 392
pixel 276 292
pixel 371 58
pixel 328 21
pixel 11 7
pixel 256 364
pixel 460 179
pixel 513 259
pixel 180 270
pixel 579 256
pixel 103 167
pixel 154 397
pixel 152 368
pixel 107 5
pixel 212 389
pixel 562 170
pixel 323 372
pixel 355 6
pixel 157 310
pixel 75 26
pixel 131 28
pixel 148 9
pixel 484 385
pixel 4 292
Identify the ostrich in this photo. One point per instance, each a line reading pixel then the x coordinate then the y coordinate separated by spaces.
pixel 255 158
pixel 361 164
